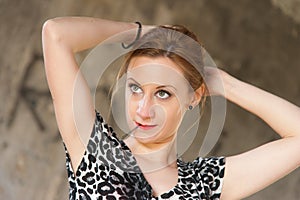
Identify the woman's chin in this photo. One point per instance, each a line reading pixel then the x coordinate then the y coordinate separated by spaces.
pixel 145 136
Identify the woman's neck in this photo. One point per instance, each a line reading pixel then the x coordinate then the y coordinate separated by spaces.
pixel 152 157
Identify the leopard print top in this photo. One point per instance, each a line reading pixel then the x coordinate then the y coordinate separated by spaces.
pixel 108 170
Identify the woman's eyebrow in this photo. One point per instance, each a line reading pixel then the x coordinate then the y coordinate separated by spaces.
pixel 158 87
pixel 132 79
pixel 163 86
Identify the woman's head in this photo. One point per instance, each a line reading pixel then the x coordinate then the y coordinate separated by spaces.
pixel 163 78
pixel 176 43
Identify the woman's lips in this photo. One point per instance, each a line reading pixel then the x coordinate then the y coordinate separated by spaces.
pixel 145 126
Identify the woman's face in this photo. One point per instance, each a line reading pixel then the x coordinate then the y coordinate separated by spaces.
pixel 157 96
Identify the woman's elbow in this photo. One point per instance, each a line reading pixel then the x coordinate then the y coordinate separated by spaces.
pixel 51 32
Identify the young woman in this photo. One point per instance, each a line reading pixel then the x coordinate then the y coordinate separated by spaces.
pixel 164 81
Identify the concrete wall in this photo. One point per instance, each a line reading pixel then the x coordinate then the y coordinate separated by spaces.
pixel 257 41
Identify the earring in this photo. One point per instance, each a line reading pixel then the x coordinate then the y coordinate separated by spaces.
pixel 190 107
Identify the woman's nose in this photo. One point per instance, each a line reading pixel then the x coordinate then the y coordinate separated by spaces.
pixel 145 108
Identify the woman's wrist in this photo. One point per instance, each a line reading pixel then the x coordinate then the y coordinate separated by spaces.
pixel 137 37
pixel 234 89
pixel 80 33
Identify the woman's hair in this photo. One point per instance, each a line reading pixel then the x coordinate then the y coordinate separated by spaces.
pixel 176 43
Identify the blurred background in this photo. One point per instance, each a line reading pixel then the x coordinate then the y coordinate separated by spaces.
pixel 257 41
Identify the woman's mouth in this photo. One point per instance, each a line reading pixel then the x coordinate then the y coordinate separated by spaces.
pixel 145 126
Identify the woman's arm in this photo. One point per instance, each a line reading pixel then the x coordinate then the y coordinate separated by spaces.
pixel 62 38
pixel 252 171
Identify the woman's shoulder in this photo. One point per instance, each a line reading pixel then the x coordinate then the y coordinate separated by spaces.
pixel 206 173
pixel 202 163
pixel 210 167
pixel 209 161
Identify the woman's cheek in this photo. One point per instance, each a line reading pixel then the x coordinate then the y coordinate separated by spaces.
pixel 168 109
pixel 130 110
pixel 174 113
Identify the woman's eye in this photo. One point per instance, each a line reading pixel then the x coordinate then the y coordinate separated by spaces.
pixel 135 89
pixel 163 94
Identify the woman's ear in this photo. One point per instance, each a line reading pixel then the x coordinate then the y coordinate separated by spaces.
pixel 198 94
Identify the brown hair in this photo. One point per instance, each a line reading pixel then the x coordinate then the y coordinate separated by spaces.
pixel 176 43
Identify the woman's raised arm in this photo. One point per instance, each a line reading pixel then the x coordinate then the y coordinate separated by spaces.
pixel 252 171
pixel 62 38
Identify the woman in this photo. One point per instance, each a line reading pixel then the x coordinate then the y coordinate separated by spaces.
pixel 114 169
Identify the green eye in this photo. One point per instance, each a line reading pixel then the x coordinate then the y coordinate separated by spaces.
pixel 162 94
pixel 135 89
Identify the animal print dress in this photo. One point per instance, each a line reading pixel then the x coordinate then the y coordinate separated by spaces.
pixel 108 170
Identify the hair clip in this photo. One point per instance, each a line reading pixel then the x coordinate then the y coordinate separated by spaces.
pixel 138 35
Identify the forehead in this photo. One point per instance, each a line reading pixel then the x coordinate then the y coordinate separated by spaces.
pixel 159 71
pixel 144 60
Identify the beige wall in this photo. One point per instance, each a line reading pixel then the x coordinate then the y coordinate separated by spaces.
pixel 257 41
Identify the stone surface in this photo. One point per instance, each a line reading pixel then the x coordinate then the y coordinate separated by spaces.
pixel 290 8
pixel 257 42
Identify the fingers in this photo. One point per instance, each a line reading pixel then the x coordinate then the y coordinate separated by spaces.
pixel 213 78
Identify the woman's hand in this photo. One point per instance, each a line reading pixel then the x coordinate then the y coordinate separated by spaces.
pixel 217 81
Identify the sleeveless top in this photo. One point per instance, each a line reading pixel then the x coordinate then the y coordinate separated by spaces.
pixel 108 170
